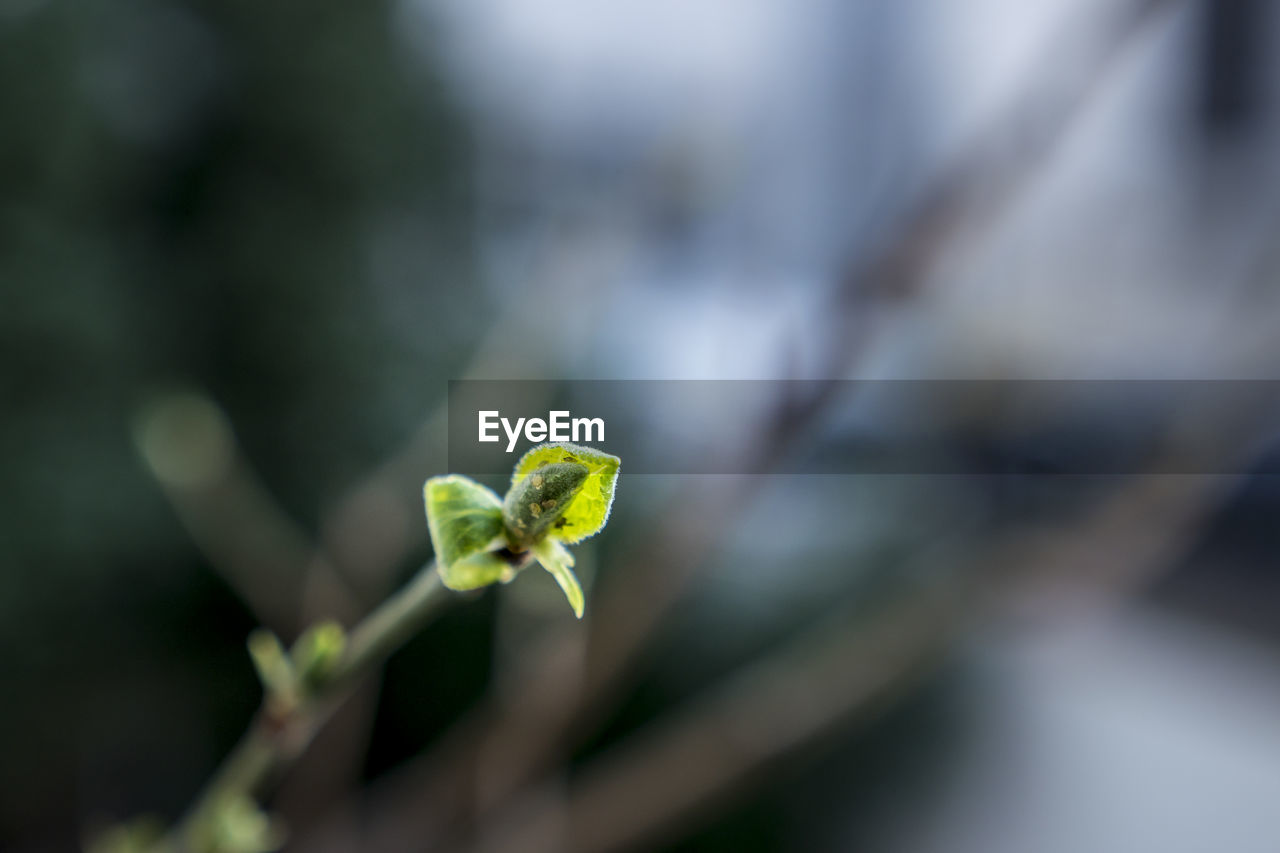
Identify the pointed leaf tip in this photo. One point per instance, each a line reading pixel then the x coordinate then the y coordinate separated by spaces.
pixel 557 560
pixel 587 513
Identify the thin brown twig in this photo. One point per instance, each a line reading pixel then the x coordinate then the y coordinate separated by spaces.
pixel 287 580
pixel 978 186
pixel 647 787
pixel 681 767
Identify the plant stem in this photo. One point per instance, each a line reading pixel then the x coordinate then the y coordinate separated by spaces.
pixel 391 625
pixel 281 732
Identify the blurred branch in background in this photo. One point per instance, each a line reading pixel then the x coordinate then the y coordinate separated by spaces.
pixel 793 190
pixel 720 744
pixel 842 670
pixel 986 178
pixel 190 448
pixel 695 759
pixel 525 728
pixel 288 581
pixel 266 558
pixel 303 688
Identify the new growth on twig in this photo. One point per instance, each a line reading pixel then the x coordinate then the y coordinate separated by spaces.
pixel 560 494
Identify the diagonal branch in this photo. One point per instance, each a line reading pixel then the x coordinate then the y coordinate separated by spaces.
pixel 979 185
pixel 287 724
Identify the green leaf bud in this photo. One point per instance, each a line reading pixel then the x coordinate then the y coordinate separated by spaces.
pixel 317 651
pixel 589 510
pixel 273 664
pixel 536 502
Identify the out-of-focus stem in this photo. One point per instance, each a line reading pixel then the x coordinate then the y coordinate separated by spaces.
pixel 281 732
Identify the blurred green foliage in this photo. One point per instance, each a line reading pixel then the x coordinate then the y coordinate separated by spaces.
pixel 270 201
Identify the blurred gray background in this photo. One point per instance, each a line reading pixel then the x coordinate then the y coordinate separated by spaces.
pixel 244 246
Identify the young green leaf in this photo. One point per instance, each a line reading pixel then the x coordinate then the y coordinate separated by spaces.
pixel 557 560
pixel 464 519
pixel 476 571
pixel 587 513
pixel 536 503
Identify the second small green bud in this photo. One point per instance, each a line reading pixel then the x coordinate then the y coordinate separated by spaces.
pixel 318 651
pixel 537 502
